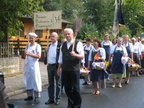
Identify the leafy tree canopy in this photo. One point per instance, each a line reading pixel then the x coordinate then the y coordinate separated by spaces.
pixel 11 11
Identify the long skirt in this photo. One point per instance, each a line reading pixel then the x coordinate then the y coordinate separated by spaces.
pixel 97 75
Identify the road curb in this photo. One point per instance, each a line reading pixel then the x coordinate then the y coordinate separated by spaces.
pixel 16 92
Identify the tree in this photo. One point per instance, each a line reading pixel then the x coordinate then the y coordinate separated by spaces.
pixel 88 31
pixel 99 12
pixel 11 11
pixel 70 8
pixel 134 14
pixel 52 5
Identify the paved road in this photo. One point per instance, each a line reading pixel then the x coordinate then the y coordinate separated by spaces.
pixel 129 96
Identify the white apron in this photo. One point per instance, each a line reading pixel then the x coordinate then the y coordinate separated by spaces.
pixel 32 77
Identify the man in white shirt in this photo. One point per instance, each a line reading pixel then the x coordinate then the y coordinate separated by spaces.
pixel 52 55
pixel 71 53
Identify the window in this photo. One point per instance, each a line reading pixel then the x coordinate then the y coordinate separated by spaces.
pixel 56 30
pixel 39 33
pixel 22 31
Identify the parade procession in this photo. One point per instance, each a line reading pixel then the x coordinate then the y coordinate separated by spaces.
pixel 71 54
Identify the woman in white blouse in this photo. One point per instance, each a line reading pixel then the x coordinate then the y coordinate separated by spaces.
pixel 136 54
pixel 142 52
pixel 117 68
pixel 96 75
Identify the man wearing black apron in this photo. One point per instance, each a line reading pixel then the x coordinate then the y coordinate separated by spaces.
pixel 71 53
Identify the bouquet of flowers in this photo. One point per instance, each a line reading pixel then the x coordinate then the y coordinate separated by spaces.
pixel 133 66
pixel 98 65
pixel 84 71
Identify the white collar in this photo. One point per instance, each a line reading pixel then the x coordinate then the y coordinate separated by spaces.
pixel 54 44
pixel 70 41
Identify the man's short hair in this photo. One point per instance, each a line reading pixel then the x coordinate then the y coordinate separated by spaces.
pixel 68 29
pixel 55 33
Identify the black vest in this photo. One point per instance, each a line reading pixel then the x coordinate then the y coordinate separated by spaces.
pixel 70 63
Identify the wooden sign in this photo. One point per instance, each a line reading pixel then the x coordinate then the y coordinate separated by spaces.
pixel 47 20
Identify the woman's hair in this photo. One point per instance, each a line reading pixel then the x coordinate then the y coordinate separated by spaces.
pixel 114 40
pixel 119 38
pixel 88 39
pixel 99 43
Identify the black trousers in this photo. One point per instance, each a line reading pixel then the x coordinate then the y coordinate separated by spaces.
pixel 72 88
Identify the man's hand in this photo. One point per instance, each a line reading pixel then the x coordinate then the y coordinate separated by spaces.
pixel 59 71
pixel 73 53
pixel 27 52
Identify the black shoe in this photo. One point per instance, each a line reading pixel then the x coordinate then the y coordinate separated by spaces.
pixel 126 82
pixel 57 102
pixel 85 83
pixel 29 98
pixel 49 102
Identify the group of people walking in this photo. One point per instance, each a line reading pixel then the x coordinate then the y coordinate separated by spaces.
pixel 113 52
pixel 65 59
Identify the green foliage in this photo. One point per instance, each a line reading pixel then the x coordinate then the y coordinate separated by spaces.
pixel 95 13
pixel 52 5
pixel 88 31
pixel 99 12
pixel 11 11
pixel 61 37
pixel 70 8
pixel 133 11
pixel 127 31
pixel 139 31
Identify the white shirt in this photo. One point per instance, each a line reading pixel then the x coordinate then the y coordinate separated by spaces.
pixel 34 50
pixel 130 46
pixel 79 49
pixel 51 55
pixel 113 46
pixel 141 47
pixel 88 48
pixel 121 48
pixel 102 53
pixel 136 49
pixel 106 43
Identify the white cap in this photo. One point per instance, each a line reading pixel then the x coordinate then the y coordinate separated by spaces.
pixel 32 34
pixel 134 39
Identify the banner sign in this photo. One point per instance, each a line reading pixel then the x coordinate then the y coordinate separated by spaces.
pixel 47 20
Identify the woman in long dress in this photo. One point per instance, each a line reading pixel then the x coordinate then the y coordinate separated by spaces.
pixel 136 54
pixel 87 49
pixel 129 49
pixel 98 77
pixel 142 52
pixel 117 68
